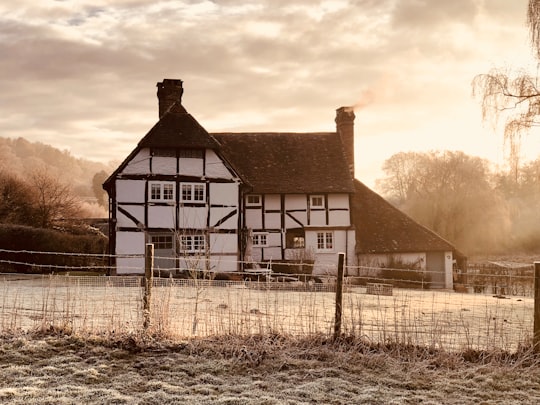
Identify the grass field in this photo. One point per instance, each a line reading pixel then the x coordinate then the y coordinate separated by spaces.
pixel 438 319
pixel 129 369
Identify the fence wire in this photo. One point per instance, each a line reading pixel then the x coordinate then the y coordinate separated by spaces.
pixel 181 308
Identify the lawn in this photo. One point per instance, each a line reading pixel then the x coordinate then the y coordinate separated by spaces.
pixel 130 369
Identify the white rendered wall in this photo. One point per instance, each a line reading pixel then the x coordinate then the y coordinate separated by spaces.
pixel 191 167
pixel 161 217
pixel 163 165
pixel 224 194
pixel 192 217
pixel 130 243
pixel 139 164
pixel 215 168
pixel 132 191
pixel 135 211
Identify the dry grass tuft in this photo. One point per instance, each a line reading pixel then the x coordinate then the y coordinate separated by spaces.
pixel 62 368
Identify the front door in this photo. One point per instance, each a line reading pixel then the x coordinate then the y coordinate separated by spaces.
pixel 164 252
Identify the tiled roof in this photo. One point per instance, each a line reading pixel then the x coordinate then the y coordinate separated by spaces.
pixel 288 162
pixel 382 228
pixel 178 130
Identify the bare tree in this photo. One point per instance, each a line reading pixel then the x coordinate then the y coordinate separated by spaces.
pixel 16 200
pixel 53 200
pixel 516 99
pixel 100 194
pixel 450 193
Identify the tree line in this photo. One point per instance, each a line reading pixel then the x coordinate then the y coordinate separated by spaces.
pixel 476 208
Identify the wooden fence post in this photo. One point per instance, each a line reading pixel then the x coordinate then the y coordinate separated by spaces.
pixel 536 333
pixel 339 296
pixel 148 281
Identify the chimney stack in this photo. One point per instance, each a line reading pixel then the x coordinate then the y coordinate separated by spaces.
pixel 169 95
pixel 345 129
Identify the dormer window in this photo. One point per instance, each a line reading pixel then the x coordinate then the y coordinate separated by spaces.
pixel 253 200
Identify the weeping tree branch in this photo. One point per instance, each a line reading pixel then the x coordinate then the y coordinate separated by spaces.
pixel 514 99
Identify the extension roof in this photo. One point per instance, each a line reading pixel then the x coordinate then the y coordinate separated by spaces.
pixel 382 228
pixel 288 162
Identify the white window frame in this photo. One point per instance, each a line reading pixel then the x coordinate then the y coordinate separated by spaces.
pixel 192 243
pixel 159 240
pixel 253 203
pixel 161 186
pixel 312 198
pixel 192 187
pixel 325 241
pixel 260 239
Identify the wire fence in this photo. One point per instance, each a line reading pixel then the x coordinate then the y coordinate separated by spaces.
pixel 489 311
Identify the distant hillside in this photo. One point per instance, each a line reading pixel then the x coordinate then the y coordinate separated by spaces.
pixel 21 157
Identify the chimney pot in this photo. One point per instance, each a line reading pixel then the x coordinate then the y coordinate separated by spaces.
pixel 169 95
pixel 345 129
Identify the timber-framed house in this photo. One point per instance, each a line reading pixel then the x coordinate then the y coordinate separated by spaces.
pixel 231 198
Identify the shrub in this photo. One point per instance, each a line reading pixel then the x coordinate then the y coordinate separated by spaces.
pixel 23 240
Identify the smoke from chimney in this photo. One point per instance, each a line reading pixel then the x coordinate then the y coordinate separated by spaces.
pixel 382 90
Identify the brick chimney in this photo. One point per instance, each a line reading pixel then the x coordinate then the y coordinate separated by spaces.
pixel 170 96
pixel 345 129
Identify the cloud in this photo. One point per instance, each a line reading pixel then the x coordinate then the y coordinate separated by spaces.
pixel 82 73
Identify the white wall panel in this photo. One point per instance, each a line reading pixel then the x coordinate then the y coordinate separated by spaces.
pixel 299 216
pixel 193 217
pixel 224 194
pixel 272 202
pixel 140 164
pixel 338 201
pixel 338 218
pixel 130 243
pixel 130 191
pixel 191 167
pixel 129 265
pixel 218 213
pixel 272 220
pixel 223 264
pixel 223 243
pixel 161 217
pixel 135 211
pixel 215 168
pixel 163 165
pixel 317 218
pixel 295 201
pixel 254 218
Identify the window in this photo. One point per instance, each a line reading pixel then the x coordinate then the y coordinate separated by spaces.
pixel 325 241
pixel 191 153
pixel 260 239
pixel 193 192
pixel 161 191
pixel 295 239
pixel 317 201
pixel 162 241
pixel 192 243
pixel 253 199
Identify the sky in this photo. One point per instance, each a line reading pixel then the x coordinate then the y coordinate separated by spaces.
pixel 81 75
